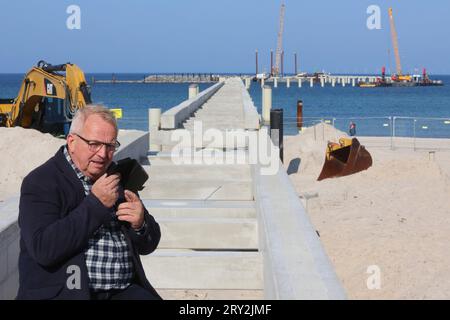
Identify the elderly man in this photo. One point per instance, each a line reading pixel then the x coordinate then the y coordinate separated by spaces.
pixel 81 233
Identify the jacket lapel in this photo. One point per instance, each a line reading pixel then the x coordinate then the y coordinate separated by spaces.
pixel 64 166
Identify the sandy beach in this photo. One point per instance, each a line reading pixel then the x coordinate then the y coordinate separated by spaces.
pixel 21 151
pixel 395 215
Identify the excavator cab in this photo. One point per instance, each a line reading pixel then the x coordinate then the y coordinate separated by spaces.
pixel 49 116
pixel 345 158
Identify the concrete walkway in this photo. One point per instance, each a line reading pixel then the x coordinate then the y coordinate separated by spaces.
pixel 209 231
pixel 209 244
pixel 225 110
pixel 230 229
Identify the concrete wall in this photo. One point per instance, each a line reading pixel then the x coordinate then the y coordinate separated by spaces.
pixel 173 117
pixel 295 263
pixel 134 144
pixel 9 249
pixel 251 116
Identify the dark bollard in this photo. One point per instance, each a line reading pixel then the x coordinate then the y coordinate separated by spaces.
pixel 276 129
pixel 299 114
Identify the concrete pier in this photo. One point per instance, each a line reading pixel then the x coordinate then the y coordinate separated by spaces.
pixel 214 219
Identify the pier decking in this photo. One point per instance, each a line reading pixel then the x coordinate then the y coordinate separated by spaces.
pixel 207 213
pixel 215 242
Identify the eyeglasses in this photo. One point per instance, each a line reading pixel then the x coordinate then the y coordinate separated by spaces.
pixel 94 145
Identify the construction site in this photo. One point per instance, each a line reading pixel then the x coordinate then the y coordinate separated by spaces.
pixel 399 79
pixel 244 210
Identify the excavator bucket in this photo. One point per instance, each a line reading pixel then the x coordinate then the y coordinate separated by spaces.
pixel 345 158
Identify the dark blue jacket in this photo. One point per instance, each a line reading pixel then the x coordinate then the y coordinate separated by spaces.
pixel 56 220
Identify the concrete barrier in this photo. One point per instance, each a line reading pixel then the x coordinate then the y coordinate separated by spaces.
pixel 173 117
pixel 294 262
pixel 251 115
pixel 134 144
pixel 9 249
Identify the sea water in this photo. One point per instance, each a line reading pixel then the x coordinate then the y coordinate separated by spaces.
pixel 372 109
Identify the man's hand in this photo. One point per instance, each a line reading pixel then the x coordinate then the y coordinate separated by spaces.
pixel 106 189
pixel 132 210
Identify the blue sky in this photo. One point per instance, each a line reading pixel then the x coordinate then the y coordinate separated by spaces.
pixel 221 36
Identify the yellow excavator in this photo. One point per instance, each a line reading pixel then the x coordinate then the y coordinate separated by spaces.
pixel 48 99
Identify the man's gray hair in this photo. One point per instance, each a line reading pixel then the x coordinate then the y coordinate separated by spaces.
pixel 92 109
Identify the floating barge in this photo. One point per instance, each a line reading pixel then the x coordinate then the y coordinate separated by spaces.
pixel 402 81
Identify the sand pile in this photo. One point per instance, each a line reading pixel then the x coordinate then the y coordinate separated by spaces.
pixel 21 151
pixel 395 215
pixel 311 144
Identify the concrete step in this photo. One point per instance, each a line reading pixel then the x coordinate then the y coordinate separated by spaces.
pixel 217 117
pixel 228 125
pixel 213 122
pixel 228 110
pixel 186 138
pixel 199 157
pixel 200 209
pixel 191 269
pixel 213 119
pixel 197 190
pixel 199 172
pixel 201 213
pixel 189 294
pixel 208 233
pixel 200 154
pixel 222 110
pixel 230 139
pixel 223 105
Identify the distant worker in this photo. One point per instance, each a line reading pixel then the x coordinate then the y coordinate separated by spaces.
pixel 352 129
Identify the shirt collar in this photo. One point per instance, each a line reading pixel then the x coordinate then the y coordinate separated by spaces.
pixel 80 174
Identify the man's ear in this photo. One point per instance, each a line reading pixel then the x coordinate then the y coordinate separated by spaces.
pixel 71 141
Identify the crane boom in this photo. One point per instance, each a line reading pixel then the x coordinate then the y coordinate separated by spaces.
pixel 276 70
pixel 395 43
